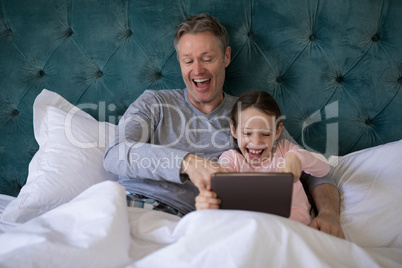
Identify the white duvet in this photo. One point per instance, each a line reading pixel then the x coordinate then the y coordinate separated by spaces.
pixel 96 229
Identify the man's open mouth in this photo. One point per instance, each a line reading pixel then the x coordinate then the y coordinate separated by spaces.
pixel 201 83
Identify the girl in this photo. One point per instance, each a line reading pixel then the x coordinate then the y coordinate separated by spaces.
pixel 255 124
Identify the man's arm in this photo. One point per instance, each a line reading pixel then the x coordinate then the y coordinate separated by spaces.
pixel 200 170
pixel 132 154
pixel 326 198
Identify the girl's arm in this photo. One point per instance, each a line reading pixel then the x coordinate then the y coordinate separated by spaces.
pixel 311 163
pixel 230 160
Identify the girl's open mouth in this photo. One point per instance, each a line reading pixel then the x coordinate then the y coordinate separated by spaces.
pixel 255 152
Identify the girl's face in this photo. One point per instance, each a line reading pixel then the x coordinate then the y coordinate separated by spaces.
pixel 255 134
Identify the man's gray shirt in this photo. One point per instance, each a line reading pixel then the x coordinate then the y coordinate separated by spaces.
pixel 154 135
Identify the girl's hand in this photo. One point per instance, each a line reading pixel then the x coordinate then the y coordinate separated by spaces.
pixel 207 200
pixel 292 165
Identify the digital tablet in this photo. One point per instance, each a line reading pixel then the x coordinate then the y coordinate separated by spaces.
pixel 262 192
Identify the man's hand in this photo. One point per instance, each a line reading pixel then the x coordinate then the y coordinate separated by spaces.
pixel 292 165
pixel 326 198
pixel 328 223
pixel 200 170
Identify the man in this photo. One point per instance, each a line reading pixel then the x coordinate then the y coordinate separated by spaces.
pixel 165 139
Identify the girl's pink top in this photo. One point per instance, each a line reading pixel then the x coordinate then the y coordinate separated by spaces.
pixel 314 164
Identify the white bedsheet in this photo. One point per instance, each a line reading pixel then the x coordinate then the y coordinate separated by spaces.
pixel 4 201
pixel 96 229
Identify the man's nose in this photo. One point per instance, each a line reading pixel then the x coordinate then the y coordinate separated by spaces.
pixel 198 68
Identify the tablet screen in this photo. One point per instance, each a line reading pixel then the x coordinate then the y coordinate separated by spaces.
pixel 261 192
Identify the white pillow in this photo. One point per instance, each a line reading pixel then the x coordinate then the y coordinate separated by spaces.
pixel 69 160
pixel 370 186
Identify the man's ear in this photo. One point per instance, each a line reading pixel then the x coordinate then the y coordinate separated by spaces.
pixel 279 131
pixel 228 52
pixel 233 131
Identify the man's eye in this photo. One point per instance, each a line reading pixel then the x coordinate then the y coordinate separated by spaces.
pixel 266 134
pixel 246 133
pixel 188 62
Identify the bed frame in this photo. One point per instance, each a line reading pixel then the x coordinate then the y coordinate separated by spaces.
pixel 335 67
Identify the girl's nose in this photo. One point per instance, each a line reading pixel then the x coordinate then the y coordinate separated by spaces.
pixel 256 139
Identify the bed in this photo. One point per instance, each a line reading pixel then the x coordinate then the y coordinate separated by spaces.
pixel 69 70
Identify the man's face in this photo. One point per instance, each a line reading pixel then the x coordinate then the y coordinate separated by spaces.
pixel 203 69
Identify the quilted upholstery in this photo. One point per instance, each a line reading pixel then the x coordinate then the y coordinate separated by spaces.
pixel 334 66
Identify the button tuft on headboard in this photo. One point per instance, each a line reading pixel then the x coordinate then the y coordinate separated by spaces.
pixel 368 121
pixel 158 75
pixel 7 32
pixel 312 37
pixel 128 33
pixel 41 73
pixel 15 113
pixel 69 32
pixel 400 80
pixel 339 79
pixel 375 37
pixel 125 34
pixel 99 74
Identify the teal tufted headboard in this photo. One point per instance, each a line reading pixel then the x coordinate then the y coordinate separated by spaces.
pixel 334 66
